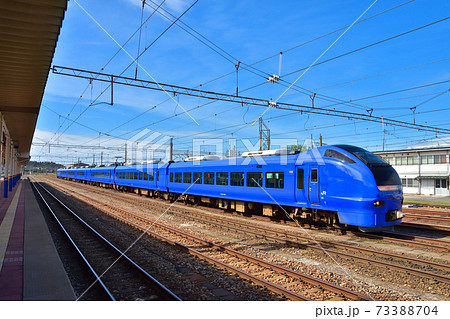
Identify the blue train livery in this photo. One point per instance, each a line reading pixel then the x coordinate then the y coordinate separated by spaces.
pixel 340 185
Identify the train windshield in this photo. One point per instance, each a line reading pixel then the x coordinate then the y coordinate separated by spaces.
pixel 366 157
pixel 385 175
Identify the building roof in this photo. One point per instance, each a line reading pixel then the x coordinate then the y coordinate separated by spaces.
pixel 414 150
pixel 29 30
pixel 444 176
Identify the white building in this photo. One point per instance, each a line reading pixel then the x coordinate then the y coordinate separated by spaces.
pixel 423 171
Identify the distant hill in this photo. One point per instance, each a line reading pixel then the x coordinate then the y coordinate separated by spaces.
pixel 42 167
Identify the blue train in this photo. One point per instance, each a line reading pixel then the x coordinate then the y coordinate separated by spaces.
pixel 339 184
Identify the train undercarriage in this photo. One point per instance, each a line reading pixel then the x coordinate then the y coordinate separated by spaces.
pixel 302 215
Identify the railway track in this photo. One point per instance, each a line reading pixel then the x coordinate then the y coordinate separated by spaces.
pixel 118 277
pixel 417 225
pixel 427 219
pixel 278 279
pixel 419 267
pixel 390 237
pixel 431 214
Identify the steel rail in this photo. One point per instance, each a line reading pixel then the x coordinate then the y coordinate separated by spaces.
pixel 273 287
pixel 289 236
pixel 427 217
pixel 165 293
pixel 424 242
pixel 88 265
pixel 445 228
pixel 311 280
pixel 288 240
pixel 382 236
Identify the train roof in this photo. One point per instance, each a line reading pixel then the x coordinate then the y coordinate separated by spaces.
pixel 100 169
pixel 141 167
pixel 241 161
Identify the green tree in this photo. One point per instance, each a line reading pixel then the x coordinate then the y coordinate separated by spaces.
pixel 297 147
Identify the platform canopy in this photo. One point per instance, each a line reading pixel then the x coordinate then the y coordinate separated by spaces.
pixel 29 30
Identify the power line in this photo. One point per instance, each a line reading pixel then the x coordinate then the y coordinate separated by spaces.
pixel 158 9
pixel 128 65
pixel 235 99
pixel 377 75
pixel 314 39
pixel 371 45
pixel 107 63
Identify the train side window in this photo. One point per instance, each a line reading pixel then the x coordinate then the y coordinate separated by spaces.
pixel 127 175
pixel 209 178
pixel 300 177
pixel 151 176
pixel 171 177
pixel 145 176
pixel 236 179
pixel 254 179
pixel 275 180
pixel 338 155
pixel 314 175
pixel 222 178
pixel 197 178
pixel 140 176
pixel 187 177
pixel 178 177
pixel 136 176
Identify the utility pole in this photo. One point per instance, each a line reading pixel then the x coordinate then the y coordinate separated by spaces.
pixel 101 158
pixel 264 135
pixel 312 145
pixel 382 123
pixel 320 139
pixel 125 152
pixel 171 150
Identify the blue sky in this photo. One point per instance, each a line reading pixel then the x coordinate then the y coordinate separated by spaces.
pixel 249 31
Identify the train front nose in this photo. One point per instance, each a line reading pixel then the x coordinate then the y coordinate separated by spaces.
pixel 388 205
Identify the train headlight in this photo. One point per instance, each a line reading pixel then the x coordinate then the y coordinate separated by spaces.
pixel 378 203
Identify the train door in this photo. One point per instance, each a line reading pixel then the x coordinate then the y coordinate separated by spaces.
pixel 161 177
pixel 300 195
pixel 314 186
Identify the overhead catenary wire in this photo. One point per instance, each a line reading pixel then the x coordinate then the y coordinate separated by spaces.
pixel 134 60
pixel 357 50
pixel 238 99
pixel 372 44
pixel 233 58
pixel 315 39
pixel 103 68
pixel 159 8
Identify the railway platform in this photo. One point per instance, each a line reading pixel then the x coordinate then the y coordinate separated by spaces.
pixel 30 268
